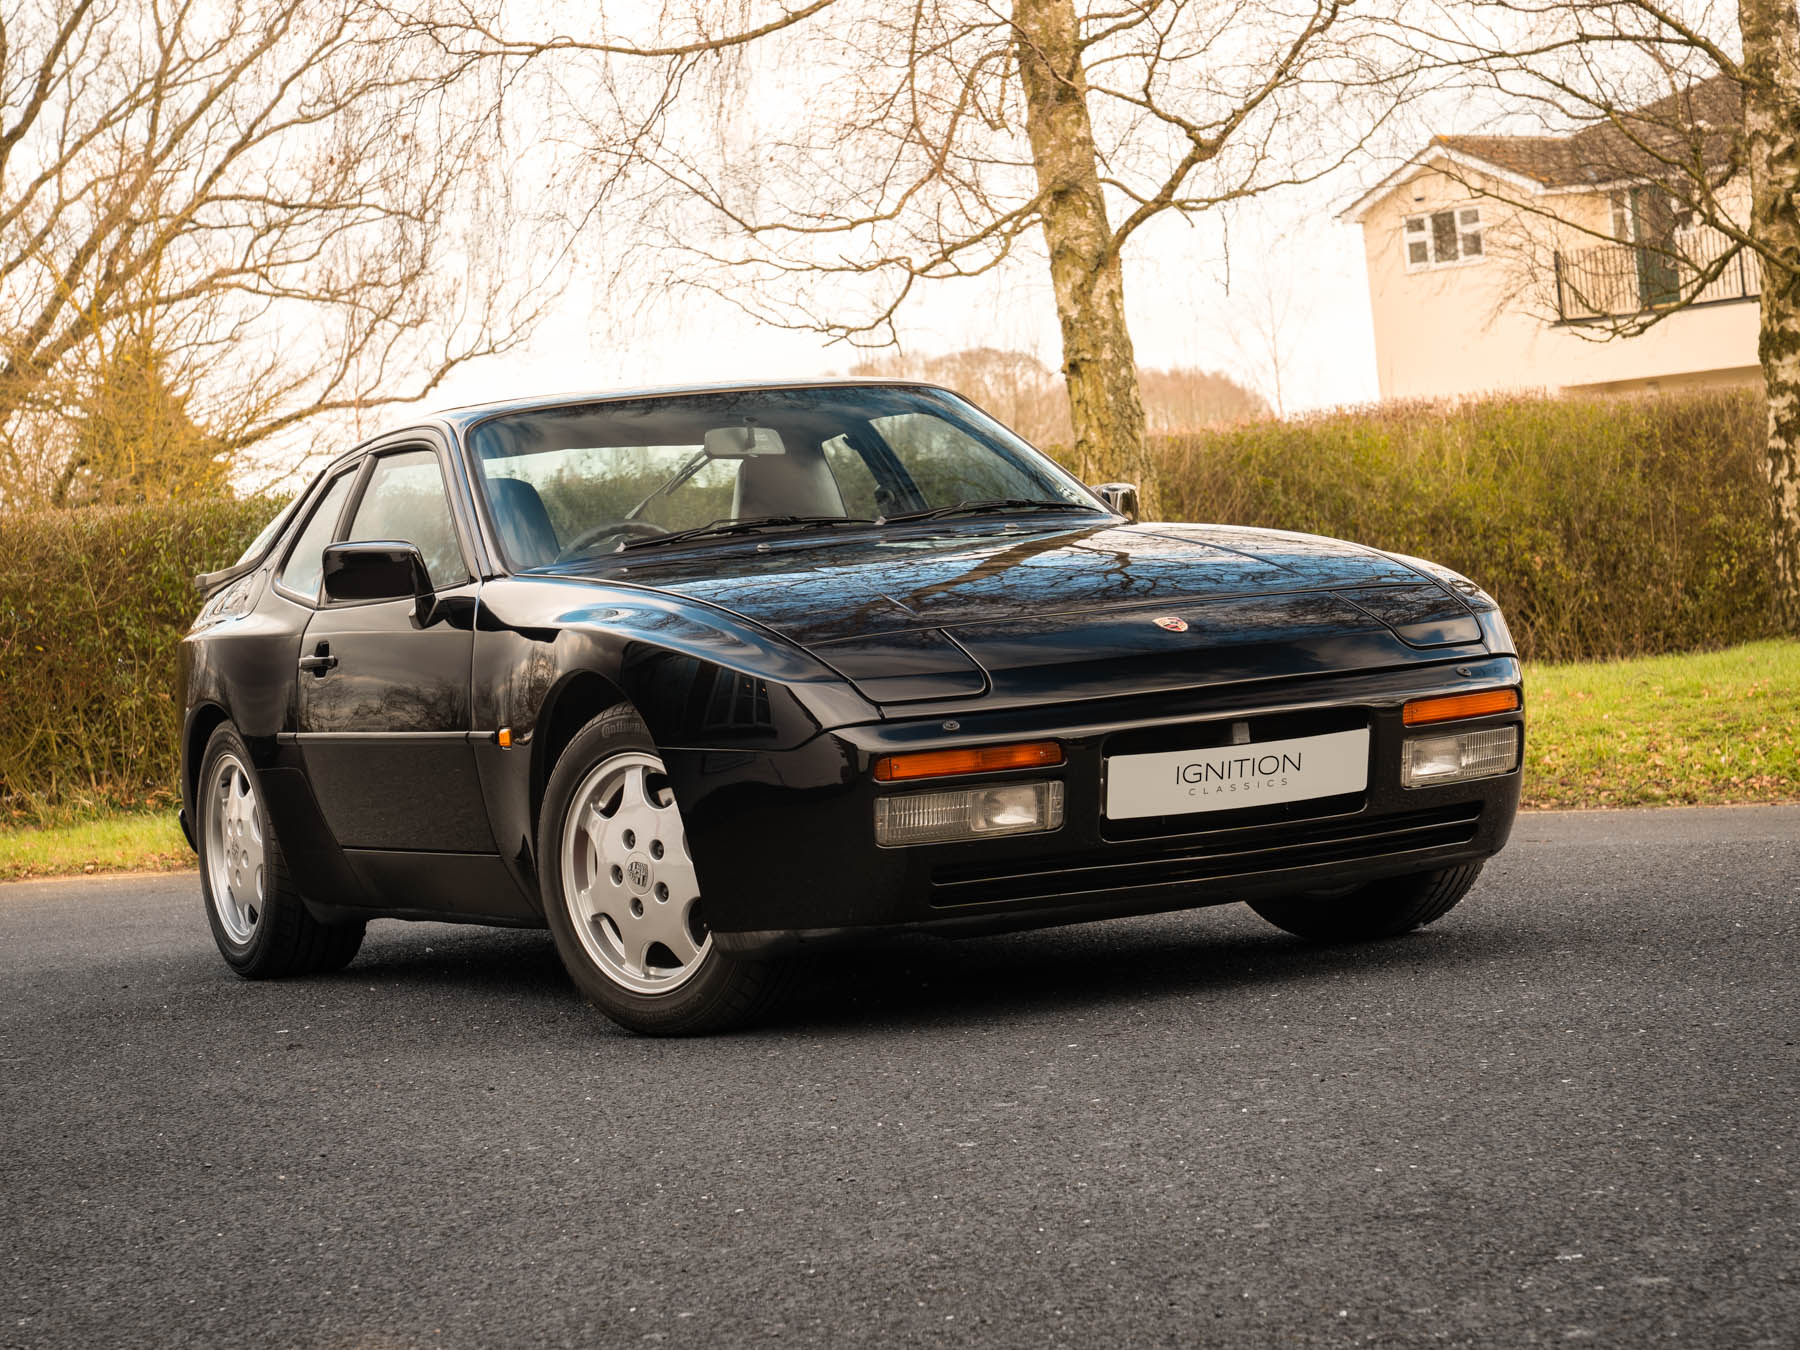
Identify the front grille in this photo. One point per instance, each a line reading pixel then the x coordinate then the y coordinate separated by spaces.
pixel 1211 856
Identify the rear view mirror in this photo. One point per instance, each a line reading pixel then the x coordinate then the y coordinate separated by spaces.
pixel 1120 497
pixel 742 442
pixel 378 569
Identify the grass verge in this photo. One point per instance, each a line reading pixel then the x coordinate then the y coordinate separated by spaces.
pixel 1704 729
pixel 142 841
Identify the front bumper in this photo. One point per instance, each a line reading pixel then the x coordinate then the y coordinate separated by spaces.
pixel 784 841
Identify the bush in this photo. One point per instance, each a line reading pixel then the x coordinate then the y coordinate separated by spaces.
pixel 93 604
pixel 1605 527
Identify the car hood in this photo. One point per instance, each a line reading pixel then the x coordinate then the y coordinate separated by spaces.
pixel 943 615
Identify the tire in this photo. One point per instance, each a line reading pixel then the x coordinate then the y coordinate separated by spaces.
pixel 261 925
pixel 625 910
pixel 1381 909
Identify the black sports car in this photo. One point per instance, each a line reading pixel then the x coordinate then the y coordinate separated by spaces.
pixel 705 678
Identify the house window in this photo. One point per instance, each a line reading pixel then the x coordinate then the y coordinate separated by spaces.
pixel 1443 238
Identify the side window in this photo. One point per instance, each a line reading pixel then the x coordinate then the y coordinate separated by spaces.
pixel 856 485
pixel 304 567
pixel 405 500
pixel 947 465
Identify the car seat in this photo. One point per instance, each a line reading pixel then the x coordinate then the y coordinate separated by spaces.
pixel 524 525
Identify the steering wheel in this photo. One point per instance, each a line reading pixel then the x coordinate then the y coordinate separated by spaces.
pixel 579 544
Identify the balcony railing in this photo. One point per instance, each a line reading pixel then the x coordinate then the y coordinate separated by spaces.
pixel 1618 280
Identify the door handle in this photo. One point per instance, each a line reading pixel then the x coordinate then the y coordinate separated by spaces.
pixel 320 661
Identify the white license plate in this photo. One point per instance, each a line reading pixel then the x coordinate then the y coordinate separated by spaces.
pixel 1236 777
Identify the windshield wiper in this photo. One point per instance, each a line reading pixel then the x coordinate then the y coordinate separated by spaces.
pixel 698 462
pixel 978 507
pixel 726 526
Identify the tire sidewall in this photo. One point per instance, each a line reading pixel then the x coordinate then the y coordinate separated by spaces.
pixel 1377 910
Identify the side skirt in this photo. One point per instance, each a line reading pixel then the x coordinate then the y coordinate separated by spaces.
pixel 440 887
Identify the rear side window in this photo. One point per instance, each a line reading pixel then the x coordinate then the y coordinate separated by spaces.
pixel 305 561
pixel 405 500
pixel 948 465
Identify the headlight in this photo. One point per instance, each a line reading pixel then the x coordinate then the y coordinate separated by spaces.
pixel 1427 761
pixel 968 813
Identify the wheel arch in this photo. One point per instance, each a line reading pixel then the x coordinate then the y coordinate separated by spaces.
pixel 206 718
pixel 573 702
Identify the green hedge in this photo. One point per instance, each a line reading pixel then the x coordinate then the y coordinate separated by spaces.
pixel 93 604
pixel 1605 527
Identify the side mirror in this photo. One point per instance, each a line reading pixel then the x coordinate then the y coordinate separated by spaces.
pixel 379 569
pixel 1120 497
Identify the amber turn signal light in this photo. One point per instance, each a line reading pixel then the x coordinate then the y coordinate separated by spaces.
pixel 1425 710
pixel 983 759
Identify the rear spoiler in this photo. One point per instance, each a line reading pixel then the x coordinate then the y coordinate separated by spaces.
pixel 208 582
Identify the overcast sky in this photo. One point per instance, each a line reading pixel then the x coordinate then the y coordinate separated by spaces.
pixel 1289 258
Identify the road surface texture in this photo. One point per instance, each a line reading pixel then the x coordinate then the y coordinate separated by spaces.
pixel 1564 1114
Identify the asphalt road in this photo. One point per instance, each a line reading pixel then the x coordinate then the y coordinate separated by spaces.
pixel 1565 1113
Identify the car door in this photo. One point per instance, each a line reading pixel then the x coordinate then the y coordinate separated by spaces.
pixel 383 712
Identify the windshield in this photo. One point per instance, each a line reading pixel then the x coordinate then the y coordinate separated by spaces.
pixel 574 481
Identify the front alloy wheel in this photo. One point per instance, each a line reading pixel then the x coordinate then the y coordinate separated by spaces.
pixel 622 897
pixel 627 877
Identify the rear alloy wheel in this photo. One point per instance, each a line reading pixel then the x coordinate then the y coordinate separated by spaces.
pixel 622 896
pixel 236 863
pixel 1380 909
pixel 261 925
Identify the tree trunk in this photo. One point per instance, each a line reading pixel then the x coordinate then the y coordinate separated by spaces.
pixel 1105 404
pixel 1771 64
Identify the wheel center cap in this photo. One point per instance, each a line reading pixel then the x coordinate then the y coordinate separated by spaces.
pixel 637 873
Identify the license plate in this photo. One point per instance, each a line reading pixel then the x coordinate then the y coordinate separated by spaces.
pixel 1236 777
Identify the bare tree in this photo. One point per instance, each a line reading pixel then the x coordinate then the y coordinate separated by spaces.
pixel 1265 327
pixel 1013 386
pixel 1683 117
pixel 268 211
pixel 859 150
pixel 1018 389
pixel 1183 399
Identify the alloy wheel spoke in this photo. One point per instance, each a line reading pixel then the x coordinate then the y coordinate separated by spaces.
pixel 585 905
pixel 675 934
pixel 634 944
pixel 633 797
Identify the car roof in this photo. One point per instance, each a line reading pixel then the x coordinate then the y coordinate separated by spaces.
pixel 469 413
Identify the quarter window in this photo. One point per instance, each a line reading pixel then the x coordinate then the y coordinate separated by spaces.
pixel 1442 238
pixel 405 500
pixel 305 561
